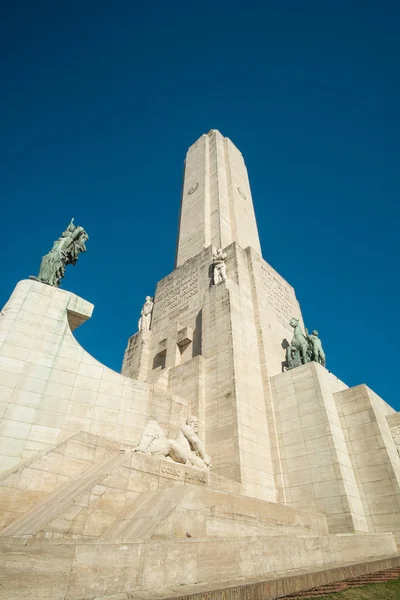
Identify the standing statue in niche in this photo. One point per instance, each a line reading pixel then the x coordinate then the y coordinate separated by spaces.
pixel 315 348
pixel 65 251
pixel 219 266
pixel 145 315
pixel 299 341
pixel 293 359
pixel 186 449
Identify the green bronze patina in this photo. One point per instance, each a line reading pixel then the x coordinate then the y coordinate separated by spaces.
pixel 65 251
pixel 315 347
pixel 292 357
pixel 299 341
pixel 304 347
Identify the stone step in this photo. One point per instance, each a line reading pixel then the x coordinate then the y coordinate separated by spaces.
pixel 255 591
pixel 378 577
pixel 396 535
pixel 221 569
pixel 200 512
pixel 28 461
pixel 292 586
pixel 61 498
pixel 141 519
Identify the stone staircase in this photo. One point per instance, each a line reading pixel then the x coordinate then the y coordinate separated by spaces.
pixel 90 486
pixel 277 587
pixel 48 509
pixel 89 516
pixel 340 586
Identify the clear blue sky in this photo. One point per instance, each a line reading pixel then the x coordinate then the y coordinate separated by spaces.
pixel 100 101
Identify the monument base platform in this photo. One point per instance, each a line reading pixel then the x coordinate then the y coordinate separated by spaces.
pixel 90 517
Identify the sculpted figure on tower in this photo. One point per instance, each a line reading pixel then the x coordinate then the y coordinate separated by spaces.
pixel 145 315
pixel 219 271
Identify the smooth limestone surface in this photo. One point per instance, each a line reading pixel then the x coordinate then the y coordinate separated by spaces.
pixel 305 470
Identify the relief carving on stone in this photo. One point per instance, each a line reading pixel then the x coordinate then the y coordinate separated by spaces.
pixel 186 449
pixel 192 189
pixel 145 315
pixel 219 266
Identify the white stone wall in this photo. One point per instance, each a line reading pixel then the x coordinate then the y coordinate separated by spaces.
pixel 239 328
pixel 318 472
pixel 50 386
pixel 373 454
pixel 178 302
pixel 274 304
pixel 236 420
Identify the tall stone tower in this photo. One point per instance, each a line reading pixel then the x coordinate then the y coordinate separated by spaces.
pixel 90 455
pixel 219 345
pixel 216 207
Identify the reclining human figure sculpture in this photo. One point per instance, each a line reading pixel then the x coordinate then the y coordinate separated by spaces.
pixel 186 449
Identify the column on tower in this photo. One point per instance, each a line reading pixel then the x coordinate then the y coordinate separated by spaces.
pixel 216 346
pixel 216 205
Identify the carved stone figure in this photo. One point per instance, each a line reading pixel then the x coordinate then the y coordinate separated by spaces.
pixel 315 348
pixel 186 449
pixel 219 272
pixel 299 341
pixel 292 357
pixel 145 315
pixel 65 251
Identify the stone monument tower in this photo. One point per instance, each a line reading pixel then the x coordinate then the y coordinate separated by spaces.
pixel 220 344
pixel 223 454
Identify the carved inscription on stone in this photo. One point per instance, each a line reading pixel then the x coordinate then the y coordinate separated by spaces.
pixel 192 477
pixel 175 313
pixel 172 471
pixel 183 473
pixel 278 296
pixel 178 292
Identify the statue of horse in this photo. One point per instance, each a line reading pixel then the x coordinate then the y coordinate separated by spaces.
pixel 299 340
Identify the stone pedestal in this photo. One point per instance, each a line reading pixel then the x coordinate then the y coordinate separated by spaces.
pixel 365 419
pixel 338 454
pixel 137 356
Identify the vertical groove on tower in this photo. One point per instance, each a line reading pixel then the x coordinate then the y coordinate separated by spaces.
pixel 230 189
pixel 180 216
pixel 207 208
pixel 223 196
pixel 214 193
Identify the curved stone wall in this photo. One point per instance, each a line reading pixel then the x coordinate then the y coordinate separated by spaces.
pixel 50 386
